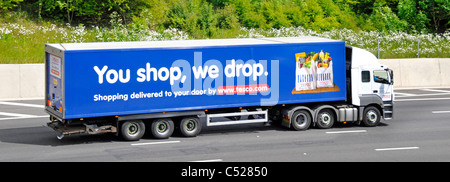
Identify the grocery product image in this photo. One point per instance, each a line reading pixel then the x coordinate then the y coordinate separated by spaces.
pixel 314 73
pixel 304 72
pixel 324 73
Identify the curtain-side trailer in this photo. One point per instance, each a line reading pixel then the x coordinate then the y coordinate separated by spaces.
pixel 130 88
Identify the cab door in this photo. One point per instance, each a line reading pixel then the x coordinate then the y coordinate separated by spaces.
pixel 366 83
pixel 381 84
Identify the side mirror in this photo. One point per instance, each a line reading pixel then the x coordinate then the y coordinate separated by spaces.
pixel 392 74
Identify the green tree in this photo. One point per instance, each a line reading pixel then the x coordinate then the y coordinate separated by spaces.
pixel 416 18
pixel 248 13
pixel 87 11
pixel 385 20
pixel 207 19
pixel 197 17
pixel 227 17
pixel 438 11
pixel 8 4
pixel 367 6
pixel 362 6
pixel 273 14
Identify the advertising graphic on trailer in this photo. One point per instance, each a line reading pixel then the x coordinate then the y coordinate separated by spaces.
pixel 314 73
pixel 149 80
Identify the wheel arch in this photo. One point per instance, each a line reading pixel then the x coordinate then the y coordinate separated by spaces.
pixel 322 107
pixel 376 105
pixel 290 111
pixel 370 122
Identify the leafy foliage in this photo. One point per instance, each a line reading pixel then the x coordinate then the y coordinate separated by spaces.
pixel 86 11
pixel 384 19
pixel 8 4
pixel 25 25
pixel 410 11
pixel 438 11
pixel 210 18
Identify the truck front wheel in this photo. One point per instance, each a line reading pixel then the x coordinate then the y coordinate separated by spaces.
pixel 372 116
pixel 162 128
pixel 132 130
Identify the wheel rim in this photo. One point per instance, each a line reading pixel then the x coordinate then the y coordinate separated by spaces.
pixel 133 129
pixel 190 126
pixel 372 116
pixel 162 127
pixel 325 118
pixel 301 120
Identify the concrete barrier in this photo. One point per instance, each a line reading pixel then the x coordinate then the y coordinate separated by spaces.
pixel 22 81
pixel 419 72
pixel 25 81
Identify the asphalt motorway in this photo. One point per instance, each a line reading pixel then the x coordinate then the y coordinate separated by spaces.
pixel 420 131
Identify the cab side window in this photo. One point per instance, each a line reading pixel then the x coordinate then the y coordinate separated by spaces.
pixel 380 77
pixel 365 75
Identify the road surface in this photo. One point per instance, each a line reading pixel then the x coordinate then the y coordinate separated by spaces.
pixel 420 131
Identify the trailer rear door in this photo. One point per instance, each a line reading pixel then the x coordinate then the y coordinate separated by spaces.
pixel 54 84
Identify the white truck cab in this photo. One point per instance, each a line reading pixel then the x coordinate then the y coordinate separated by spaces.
pixel 372 84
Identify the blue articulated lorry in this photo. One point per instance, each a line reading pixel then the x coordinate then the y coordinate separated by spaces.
pixel 130 88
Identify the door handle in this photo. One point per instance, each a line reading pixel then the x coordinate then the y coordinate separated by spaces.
pixel 375 91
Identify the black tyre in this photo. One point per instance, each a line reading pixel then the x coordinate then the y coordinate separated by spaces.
pixel 325 119
pixel 301 120
pixel 372 116
pixel 162 128
pixel 132 130
pixel 190 126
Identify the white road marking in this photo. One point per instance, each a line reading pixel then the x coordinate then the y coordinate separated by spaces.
pixel 351 131
pixel 420 95
pixel 399 148
pixel 403 94
pixel 439 92
pixel 435 90
pixel 210 160
pixel 426 99
pixel 439 112
pixel 155 143
pixel 20 116
pixel 15 114
pixel 22 104
pixel 28 117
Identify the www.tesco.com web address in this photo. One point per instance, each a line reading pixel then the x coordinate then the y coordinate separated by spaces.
pixel 237 89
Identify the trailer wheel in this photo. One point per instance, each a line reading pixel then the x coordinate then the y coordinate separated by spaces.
pixel 301 120
pixel 372 116
pixel 325 119
pixel 162 128
pixel 190 126
pixel 132 130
